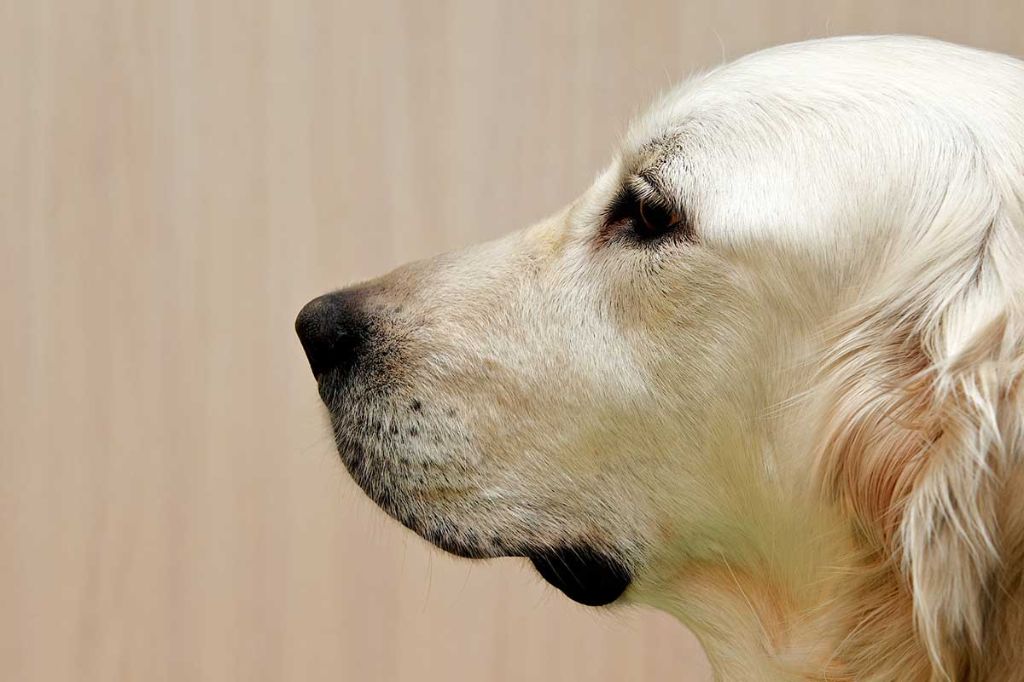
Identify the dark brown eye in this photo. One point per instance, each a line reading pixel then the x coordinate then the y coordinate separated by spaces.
pixel 642 219
pixel 655 220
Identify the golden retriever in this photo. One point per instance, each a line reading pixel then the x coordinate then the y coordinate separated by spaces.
pixel 765 374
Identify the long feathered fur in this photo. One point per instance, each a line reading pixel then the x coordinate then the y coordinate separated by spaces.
pixel 929 416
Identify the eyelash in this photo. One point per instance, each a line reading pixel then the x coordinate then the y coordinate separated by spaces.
pixel 647 221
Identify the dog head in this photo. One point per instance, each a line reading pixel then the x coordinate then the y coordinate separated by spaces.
pixel 793 283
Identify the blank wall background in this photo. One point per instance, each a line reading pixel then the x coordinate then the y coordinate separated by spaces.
pixel 176 179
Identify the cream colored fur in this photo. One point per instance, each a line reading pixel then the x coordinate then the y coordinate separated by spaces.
pixel 802 432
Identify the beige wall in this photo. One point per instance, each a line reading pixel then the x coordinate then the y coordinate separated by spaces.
pixel 176 179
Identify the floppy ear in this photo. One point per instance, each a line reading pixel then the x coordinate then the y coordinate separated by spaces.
pixel 928 419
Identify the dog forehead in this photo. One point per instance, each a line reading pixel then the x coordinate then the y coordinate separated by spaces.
pixel 813 113
pixel 830 76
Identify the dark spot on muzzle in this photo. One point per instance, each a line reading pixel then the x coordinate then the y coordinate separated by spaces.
pixel 582 574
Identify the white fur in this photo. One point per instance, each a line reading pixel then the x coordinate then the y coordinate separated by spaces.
pixel 802 432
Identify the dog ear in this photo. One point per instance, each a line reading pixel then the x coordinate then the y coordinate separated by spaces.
pixel 927 421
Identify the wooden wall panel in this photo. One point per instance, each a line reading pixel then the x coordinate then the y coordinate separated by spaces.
pixel 176 179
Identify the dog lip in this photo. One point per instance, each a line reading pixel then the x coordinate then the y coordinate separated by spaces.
pixel 582 574
pixel 461 551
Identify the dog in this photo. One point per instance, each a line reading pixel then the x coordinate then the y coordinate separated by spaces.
pixel 764 374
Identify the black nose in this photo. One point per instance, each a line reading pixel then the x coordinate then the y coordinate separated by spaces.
pixel 332 329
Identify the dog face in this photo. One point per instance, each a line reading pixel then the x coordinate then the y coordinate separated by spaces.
pixel 636 384
pixel 551 395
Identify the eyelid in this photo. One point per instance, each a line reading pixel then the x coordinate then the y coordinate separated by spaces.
pixel 644 186
pixel 633 194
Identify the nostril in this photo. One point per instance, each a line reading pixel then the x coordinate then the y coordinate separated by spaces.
pixel 331 329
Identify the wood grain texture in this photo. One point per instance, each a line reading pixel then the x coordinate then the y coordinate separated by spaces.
pixel 176 179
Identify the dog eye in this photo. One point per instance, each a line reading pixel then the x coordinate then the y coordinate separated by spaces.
pixel 655 220
pixel 642 219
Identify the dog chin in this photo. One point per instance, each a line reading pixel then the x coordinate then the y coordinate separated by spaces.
pixel 581 572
